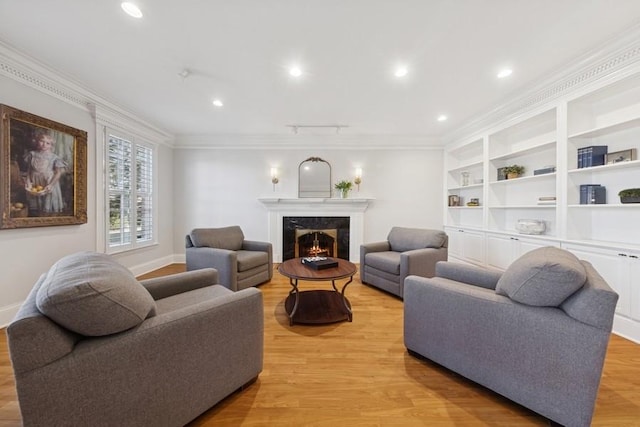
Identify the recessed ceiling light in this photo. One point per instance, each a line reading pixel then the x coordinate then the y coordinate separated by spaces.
pixel 295 71
pixel 401 71
pixel 442 118
pixel 505 73
pixel 217 103
pixel 131 9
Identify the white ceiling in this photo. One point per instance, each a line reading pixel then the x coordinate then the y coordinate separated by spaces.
pixel 239 51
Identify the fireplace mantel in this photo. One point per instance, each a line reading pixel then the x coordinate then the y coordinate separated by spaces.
pixel 280 208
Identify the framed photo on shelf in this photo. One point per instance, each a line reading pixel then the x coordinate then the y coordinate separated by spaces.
pixel 43 171
pixel 502 174
pixel 454 200
pixel 621 156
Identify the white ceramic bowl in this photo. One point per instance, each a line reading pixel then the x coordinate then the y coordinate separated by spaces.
pixel 530 226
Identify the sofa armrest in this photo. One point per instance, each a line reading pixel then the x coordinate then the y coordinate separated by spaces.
pixel 421 262
pixel 468 274
pixel 373 247
pixel 166 286
pixel 223 260
pixel 252 245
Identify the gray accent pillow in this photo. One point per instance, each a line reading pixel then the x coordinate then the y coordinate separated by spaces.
pixel 223 238
pixel 91 294
pixel 407 239
pixel 542 277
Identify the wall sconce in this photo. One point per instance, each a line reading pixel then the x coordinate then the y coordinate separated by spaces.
pixel 274 177
pixel 358 179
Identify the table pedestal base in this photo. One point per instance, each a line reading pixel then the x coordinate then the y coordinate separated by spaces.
pixel 318 307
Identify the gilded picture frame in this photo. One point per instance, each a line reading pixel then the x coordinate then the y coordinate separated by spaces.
pixel 43 171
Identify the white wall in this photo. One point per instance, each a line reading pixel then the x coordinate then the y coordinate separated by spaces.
pixel 220 187
pixel 26 253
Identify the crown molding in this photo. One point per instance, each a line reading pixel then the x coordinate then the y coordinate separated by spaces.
pixel 304 142
pixel 617 57
pixel 32 73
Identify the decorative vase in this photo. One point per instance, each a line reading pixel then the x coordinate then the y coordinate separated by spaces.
pixel 512 175
pixel 344 193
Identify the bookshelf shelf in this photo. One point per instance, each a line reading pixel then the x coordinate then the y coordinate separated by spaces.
pixel 548 143
pixel 525 179
pixel 546 206
pixel 613 166
pixel 466 187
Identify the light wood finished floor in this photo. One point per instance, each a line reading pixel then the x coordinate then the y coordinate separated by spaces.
pixel 359 374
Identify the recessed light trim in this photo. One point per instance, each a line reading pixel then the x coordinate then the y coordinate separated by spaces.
pixel 295 71
pixel 401 71
pixel 442 118
pixel 131 9
pixel 217 103
pixel 505 73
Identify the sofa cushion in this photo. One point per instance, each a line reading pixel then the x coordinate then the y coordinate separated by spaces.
pixel 542 277
pixel 387 261
pixel 251 259
pixel 223 238
pixel 407 239
pixel 91 294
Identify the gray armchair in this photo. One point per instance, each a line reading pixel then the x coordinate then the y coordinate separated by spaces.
pixel 536 334
pixel 240 263
pixel 407 251
pixel 93 346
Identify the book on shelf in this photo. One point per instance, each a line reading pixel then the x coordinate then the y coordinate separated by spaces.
pixel 594 155
pixel 319 263
pixel 502 175
pixel 593 194
pixel 546 169
pixel 547 200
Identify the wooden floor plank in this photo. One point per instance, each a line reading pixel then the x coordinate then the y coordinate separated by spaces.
pixel 360 374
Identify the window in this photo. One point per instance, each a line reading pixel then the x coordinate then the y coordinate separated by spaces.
pixel 130 194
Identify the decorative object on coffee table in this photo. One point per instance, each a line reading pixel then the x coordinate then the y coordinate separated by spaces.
pixel 630 195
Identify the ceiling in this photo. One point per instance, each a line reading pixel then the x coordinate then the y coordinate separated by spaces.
pixel 240 50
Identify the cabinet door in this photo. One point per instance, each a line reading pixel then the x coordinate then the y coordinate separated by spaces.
pixel 455 242
pixel 500 251
pixel 634 285
pixel 526 245
pixel 613 266
pixel 473 247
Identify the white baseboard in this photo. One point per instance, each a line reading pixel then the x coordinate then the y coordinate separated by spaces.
pixel 626 328
pixel 7 313
pixel 147 267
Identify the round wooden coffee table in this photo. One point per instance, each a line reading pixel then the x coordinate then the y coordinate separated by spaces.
pixel 317 306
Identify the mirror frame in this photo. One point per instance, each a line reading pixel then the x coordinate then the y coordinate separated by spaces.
pixel 314 160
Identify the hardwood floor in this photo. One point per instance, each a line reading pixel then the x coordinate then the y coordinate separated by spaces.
pixel 360 374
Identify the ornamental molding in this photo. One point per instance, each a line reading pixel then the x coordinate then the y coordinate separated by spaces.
pixel 617 58
pixel 30 72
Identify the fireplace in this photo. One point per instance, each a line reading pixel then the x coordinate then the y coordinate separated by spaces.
pixel 315 236
pixel 351 208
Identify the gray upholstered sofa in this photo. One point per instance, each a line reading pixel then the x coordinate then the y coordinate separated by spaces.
pixel 407 251
pixel 240 263
pixel 536 334
pixel 91 346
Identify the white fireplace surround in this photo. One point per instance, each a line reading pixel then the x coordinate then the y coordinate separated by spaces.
pixel 353 208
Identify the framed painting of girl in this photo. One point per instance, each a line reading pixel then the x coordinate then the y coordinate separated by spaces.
pixel 43 171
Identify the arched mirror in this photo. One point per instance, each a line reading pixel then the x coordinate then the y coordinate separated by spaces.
pixel 314 178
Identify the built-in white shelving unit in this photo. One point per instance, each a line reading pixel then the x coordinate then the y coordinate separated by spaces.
pixel 606 235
